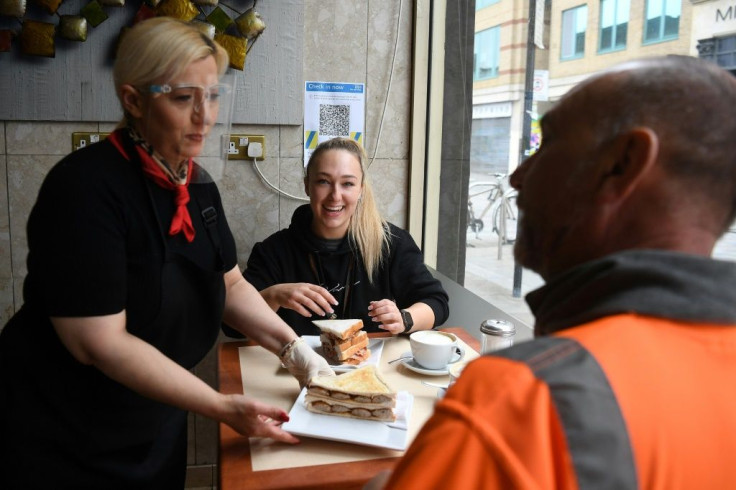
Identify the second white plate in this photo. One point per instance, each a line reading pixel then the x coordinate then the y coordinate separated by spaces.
pixel 375 345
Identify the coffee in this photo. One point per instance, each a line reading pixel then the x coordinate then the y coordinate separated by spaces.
pixel 430 337
pixel 434 350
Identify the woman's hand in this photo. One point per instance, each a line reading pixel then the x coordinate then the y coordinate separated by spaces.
pixel 250 417
pixel 304 298
pixel 387 313
pixel 304 363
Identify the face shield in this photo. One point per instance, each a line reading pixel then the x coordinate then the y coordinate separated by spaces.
pixel 188 120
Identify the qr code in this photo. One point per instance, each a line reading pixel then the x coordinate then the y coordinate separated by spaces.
pixel 334 120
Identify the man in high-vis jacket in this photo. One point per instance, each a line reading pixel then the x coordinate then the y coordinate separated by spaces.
pixel 630 382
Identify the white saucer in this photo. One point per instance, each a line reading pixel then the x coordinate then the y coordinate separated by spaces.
pixel 411 364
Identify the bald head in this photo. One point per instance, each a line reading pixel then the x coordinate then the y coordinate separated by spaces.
pixel 640 156
pixel 689 103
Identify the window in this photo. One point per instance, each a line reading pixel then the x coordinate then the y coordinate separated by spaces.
pixel 486 52
pixel 614 25
pixel 662 20
pixel 479 4
pixel 574 22
pixel 720 50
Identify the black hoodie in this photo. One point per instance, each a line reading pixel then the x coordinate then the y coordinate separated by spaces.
pixel 297 255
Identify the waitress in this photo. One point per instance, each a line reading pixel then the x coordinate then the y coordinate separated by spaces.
pixel 131 270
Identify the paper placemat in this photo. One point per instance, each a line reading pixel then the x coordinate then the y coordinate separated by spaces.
pixel 264 379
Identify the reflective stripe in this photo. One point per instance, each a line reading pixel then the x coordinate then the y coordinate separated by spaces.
pixel 586 405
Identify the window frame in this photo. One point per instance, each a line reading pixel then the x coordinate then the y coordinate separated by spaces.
pixel 575 9
pixel 614 26
pixel 663 4
pixel 494 31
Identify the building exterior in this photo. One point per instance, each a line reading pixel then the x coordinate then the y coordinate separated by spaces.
pixel 580 37
pixel 714 32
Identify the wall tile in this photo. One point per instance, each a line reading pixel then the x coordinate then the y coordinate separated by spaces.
pixel 382 38
pixel 43 138
pixel 291 180
pixel 3 125
pixel 6 270
pixel 335 41
pixel 7 303
pixel 251 208
pixel 292 142
pixel 18 281
pixel 388 178
pixel 25 175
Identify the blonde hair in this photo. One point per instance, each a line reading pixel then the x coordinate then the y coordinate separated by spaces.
pixel 160 49
pixel 367 230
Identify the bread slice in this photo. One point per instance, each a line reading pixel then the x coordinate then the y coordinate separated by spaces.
pixel 358 357
pixel 360 338
pixel 360 394
pixel 341 351
pixel 342 329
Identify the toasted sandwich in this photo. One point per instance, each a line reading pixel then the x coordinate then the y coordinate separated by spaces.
pixel 359 394
pixel 343 341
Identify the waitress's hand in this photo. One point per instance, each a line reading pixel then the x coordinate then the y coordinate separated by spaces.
pixel 387 313
pixel 304 298
pixel 252 418
pixel 303 363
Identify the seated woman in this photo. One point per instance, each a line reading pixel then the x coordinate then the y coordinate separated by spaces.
pixel 340 259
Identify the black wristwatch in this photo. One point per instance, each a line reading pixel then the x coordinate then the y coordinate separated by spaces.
pixel 407 319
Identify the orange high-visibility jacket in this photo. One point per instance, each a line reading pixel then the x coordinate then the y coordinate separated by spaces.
pixel 624 401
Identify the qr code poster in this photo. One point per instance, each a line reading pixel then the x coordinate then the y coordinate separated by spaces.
pixel 332 109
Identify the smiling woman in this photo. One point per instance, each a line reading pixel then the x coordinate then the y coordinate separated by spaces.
pixel 341 259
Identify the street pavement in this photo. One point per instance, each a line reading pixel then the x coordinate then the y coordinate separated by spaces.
pixel 492 278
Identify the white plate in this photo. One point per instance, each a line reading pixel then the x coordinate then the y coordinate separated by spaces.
pixel 412 365
pixel 375 345
pixel 302 422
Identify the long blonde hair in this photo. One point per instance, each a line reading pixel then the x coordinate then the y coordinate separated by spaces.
pixel 161 48
pixel 367 230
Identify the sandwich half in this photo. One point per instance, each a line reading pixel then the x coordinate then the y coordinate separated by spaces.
pixel 343 341
pixel 359 394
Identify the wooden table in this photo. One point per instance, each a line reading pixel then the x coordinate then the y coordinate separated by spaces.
pixel 234 465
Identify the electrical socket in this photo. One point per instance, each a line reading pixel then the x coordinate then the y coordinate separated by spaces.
pixel 80 140
pixel 240 144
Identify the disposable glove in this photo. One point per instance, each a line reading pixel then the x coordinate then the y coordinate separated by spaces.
pixel 303 362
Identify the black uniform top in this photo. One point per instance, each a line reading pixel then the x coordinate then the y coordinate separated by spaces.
pixel 98 244
pixel 295 254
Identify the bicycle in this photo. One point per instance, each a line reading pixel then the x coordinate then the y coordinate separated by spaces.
pixel 501 199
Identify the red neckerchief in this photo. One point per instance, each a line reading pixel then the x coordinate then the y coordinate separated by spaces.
pixel 181 221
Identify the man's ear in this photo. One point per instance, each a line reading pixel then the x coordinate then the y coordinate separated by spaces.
pixel 630 157
pixel 306 186
pixel 132 101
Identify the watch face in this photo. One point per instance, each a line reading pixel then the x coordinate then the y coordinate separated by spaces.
pixel 408 320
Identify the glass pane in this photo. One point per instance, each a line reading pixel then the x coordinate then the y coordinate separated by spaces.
pixel 607 11
pixel 726 44
pixel 621 31
pixel 671 26
pixel 654 9
pixel 622 11
pixel 606 38
pixel 653 29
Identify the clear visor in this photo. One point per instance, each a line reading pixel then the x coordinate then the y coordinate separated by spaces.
pixel 203 116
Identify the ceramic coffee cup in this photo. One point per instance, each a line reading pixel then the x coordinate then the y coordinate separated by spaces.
pixel 435 350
